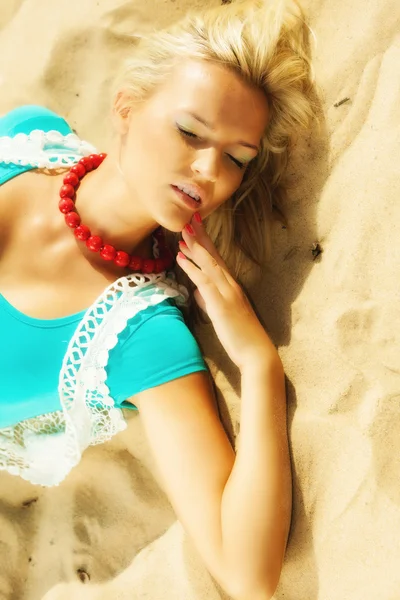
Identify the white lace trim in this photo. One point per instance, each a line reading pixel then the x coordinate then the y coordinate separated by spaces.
pixel 44 449
pixel 41 149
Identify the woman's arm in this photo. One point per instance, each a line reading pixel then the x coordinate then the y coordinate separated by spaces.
pixel 236 510
pixel 256 501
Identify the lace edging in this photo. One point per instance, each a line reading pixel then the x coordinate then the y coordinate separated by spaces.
pixel 43 450
pixel 41 149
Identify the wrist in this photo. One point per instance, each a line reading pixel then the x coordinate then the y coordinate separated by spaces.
pixel 261 359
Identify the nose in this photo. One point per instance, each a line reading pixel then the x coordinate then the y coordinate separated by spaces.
pixel 206 164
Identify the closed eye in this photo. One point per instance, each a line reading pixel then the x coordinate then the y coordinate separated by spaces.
pixel 193 135
pixel 188 133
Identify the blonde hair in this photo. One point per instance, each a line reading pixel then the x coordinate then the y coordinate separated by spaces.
pixel 266 42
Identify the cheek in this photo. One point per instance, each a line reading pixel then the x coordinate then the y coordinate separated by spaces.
pixel 222 193
pixel 159 152
pixel 228 185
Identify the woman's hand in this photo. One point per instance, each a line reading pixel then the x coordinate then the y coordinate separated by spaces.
pixel 222 298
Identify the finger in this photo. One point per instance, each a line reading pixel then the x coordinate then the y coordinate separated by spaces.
pixel 205 240
pixel 183 247
pixel 207 263
pixel 208 289
pixel 200 300
pixel 196 235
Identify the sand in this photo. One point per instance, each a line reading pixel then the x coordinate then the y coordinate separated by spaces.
pixel 108 532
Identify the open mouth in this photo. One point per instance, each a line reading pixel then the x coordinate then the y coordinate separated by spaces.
pixel 189 200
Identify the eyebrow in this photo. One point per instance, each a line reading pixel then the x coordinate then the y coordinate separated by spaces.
pixel 210 126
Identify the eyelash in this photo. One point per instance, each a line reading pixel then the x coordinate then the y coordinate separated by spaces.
pixel 193 135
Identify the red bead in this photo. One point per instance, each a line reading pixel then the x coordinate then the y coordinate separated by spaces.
pixel 136 264
pixel 96 160
pixel 67 191
pixel 71 178
pixel 122 259
pixel 87 163
pixel 108 252
pixel 159 265
pixel 82 232
pixel 94 243
pixel 66 205
pixel 72 219
pixel 79 170
pixel 148 265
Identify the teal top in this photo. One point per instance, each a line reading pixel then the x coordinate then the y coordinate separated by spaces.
pixel 155 347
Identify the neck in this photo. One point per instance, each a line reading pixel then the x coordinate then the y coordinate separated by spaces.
pixel 109 210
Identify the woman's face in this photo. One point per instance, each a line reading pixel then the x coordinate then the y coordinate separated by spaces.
pixel 202 127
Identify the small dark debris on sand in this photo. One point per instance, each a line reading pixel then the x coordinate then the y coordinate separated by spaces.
pixel 29 502
pixel 316 250
pixel 83 575
pixel 341 102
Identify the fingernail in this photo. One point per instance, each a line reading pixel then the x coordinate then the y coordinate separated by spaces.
pixel 189 229
pixel 198 218
pixel 183 244
pixel 181 255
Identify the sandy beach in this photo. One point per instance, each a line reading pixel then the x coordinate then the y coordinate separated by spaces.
pixel 109 532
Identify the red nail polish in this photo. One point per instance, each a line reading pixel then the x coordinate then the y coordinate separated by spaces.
pixel 183 244
pixel 198 218
pixel 189 229
pixel 181 255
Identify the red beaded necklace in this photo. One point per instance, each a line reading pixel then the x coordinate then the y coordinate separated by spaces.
pixel 94 242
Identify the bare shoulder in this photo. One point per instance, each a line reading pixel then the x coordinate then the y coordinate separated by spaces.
pixel 22 192
pixel 192 453
pixel 14 194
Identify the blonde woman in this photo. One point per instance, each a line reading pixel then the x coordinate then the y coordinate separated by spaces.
pixel 203 114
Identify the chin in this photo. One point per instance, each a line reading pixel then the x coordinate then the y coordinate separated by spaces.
pixel 177 229
pixel 174 223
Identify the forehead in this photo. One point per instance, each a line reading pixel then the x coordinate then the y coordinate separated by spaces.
pixel 217 95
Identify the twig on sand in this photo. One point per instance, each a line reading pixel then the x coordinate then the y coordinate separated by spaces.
pixel 341 102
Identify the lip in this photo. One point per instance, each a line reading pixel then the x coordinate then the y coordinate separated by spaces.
pixel 196 189
pixel 187 200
